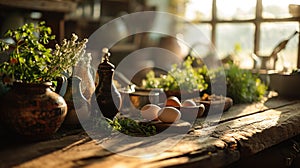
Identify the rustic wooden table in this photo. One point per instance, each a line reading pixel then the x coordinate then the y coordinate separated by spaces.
pixel 243 131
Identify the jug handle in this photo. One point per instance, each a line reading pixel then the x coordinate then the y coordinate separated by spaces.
pixel 62 84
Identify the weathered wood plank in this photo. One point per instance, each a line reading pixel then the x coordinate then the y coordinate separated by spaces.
pixel 211 145
pixel 259 131
pixel 43 5
pixel 240 110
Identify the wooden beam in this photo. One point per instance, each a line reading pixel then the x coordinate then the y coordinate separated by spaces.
pixel 42 5
pixel 298 58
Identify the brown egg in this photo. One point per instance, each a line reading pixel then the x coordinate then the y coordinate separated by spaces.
pixel 188 102
pixel 150 112
pixel 173 101
pixel 169 114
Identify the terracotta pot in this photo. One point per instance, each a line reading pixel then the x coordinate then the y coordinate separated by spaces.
pixel 33 111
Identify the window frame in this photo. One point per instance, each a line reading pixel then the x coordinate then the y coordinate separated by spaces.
pixel 257 21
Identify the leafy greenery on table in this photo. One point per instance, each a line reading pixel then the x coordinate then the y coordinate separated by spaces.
pixel 125 125
pixel 131 127
pixel 242 85
pixel 183 77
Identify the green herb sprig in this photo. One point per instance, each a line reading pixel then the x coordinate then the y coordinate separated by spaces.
pixel 131 127
pixel 126 126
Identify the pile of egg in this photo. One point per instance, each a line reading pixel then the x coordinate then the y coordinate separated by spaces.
pixel 168 113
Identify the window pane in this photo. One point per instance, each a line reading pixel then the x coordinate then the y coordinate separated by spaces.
pixel 198 10
pixel 230 36
pixel 236 9
pixel 272 34
pixel 205 29
pixel 277 8
pixel 198 36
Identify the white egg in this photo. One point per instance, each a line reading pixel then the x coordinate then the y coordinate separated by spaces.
pixel 188 102
pixel 150 112
pixel 169 114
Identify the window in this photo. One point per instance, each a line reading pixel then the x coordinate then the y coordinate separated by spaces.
pixel 257 26
pixel 199 10
pixel 233 9
pixel 228 35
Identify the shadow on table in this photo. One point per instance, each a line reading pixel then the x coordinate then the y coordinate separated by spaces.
pixel 15 150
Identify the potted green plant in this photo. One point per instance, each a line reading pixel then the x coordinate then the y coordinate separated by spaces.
pixel 180 80
pixel 31 107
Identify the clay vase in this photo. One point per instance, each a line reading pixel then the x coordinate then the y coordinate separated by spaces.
pixel 78 106
pixel 33 111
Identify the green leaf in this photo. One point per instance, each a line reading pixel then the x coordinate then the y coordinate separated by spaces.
pixel 22 60
pixel 17 36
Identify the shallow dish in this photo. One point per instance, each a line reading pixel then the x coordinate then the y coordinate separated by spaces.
pixel 217 102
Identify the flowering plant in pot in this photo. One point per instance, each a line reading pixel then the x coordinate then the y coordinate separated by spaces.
pixel 30 61
pixel 32 108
